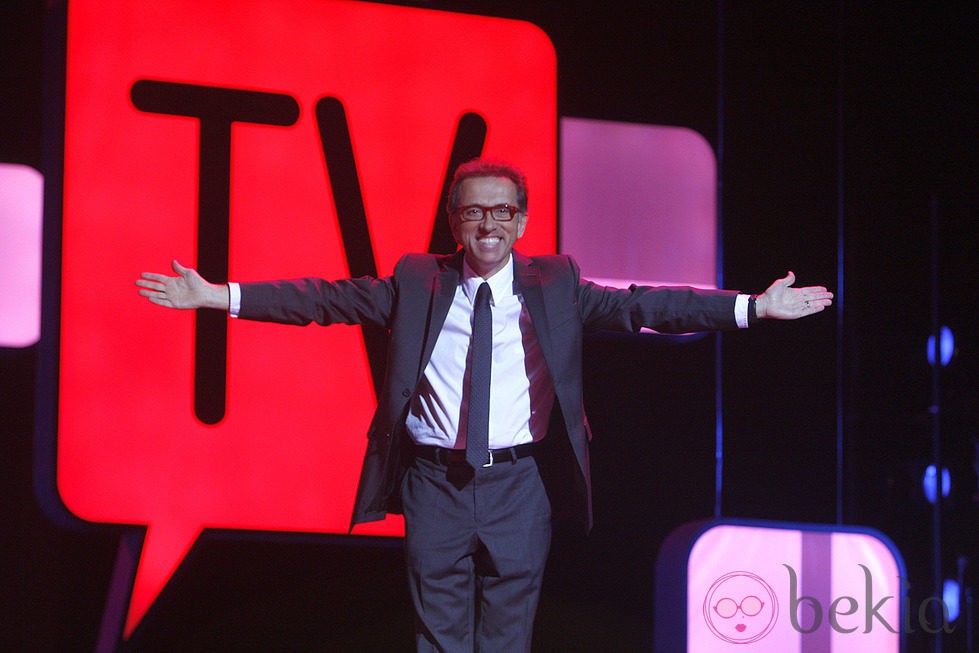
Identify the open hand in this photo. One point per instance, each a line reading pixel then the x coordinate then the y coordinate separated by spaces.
pixel 782 302
pixel 186 290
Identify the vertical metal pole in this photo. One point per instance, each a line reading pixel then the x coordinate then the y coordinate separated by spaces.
pixel 840 259
pixel 936 430
pixel 718 338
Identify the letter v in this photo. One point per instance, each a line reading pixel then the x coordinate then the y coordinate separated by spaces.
pixel 347 196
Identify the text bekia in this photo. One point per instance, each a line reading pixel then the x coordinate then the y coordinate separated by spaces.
pixel 869 618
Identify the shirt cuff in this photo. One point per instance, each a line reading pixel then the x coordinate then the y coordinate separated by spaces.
pixel 741 311
pixel 234 293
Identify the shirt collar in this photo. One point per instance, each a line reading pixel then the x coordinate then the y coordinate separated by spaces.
pixel 500 283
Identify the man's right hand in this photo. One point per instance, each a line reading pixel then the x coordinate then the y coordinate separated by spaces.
pixel 186 290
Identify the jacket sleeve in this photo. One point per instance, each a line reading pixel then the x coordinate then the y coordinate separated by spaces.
pixel 666 309
pixel 364 300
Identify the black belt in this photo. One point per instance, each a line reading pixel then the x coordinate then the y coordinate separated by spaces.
pixel 443 456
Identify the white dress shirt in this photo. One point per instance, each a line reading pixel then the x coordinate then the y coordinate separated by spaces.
pixel 521 390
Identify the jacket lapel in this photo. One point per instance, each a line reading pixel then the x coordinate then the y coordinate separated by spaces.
pixel 527 276
pixel 444 286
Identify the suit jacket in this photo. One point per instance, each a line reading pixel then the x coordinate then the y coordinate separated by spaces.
pixel 413 303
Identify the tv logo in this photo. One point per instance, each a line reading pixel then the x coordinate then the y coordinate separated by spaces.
pixel 280 139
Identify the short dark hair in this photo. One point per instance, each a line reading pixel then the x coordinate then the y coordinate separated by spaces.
pixel 487 168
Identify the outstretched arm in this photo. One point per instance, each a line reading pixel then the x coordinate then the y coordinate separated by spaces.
pixel 186 290
pixel 782 302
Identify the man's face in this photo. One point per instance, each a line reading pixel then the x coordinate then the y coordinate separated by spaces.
pixel 487 242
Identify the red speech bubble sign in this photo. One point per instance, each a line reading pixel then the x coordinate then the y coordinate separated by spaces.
pixel 244 139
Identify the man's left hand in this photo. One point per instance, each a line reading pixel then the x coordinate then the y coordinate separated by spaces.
pixel 783 302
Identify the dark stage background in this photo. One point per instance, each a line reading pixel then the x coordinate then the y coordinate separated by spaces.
pixel 822 114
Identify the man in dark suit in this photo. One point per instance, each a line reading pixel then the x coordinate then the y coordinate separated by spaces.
pixel 480 436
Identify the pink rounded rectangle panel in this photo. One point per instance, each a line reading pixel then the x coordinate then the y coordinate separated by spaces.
pixel 639 203
pixel 21 202
pixel 779 588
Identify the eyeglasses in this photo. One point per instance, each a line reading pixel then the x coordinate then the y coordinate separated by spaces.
pixel 476 212
pixel 750 606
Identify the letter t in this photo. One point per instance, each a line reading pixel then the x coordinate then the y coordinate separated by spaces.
pixel 217 109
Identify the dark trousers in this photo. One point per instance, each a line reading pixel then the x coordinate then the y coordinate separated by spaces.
pixel 476 544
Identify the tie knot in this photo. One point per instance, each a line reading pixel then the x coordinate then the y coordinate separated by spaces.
pixel 483 295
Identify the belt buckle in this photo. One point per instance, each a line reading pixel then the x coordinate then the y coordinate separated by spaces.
pixel 490 463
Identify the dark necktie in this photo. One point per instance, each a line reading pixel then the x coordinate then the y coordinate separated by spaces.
pixel 477 433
